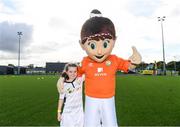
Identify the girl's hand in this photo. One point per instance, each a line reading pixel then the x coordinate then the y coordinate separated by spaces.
pixel 59 116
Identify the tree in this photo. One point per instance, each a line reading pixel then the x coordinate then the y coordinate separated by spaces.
pixel 31 66
pixel 11 65
pixel 160 65
pixel 141 66
pixel 171 65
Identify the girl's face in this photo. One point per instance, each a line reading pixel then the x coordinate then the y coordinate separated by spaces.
pixel 72 72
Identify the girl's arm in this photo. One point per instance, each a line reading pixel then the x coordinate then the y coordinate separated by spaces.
pixel 60 85
pixel 60 103
pixel 59 109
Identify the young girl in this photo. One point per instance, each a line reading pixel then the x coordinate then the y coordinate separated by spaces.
pixel 70 89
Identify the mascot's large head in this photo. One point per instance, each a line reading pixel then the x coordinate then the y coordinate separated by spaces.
pixel 98 36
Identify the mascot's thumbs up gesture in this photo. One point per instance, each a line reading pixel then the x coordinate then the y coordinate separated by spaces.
pixel 135 59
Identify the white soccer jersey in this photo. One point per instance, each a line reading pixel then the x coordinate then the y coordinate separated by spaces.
pixel 73 114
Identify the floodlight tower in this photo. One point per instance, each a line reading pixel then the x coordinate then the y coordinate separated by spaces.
pixel 175 64
pixel 161 19
pixel 19 34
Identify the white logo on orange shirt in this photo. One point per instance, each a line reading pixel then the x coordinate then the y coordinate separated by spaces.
pixel 99 70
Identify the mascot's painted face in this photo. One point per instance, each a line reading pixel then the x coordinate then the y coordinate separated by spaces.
pixel 98 37
pixel 98 49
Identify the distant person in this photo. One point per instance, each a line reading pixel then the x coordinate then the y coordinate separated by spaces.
pixel 70 90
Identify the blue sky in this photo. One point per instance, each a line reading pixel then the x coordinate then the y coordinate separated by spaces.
pixel 51 29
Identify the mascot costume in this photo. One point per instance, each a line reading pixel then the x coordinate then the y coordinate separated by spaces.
pixel 98 37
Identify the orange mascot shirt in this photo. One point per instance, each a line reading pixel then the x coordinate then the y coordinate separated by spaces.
pixel 100 77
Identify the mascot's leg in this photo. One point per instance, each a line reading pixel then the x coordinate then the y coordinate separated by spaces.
pixel 92 112
pixel 108 113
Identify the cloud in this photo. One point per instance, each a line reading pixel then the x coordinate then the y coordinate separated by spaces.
pixel 9 38
pixel 176 11
pixel 7 7
pixel 143 7
pixel 48 47
pixel 56 22
pixel 56 29
pixel 8 56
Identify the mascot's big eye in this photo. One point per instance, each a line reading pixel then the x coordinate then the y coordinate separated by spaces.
pixel 93 46
pixel 105 43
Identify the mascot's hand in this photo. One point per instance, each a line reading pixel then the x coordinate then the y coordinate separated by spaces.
pixel 136 57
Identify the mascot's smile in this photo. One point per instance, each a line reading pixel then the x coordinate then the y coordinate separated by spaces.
pixel 99 57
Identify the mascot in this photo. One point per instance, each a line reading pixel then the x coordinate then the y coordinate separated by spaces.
pixel 98 37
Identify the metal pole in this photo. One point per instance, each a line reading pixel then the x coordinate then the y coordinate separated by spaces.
pixel 175 64
pixel 164 61
pixel 19 34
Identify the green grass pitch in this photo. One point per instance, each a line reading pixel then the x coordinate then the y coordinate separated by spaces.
pixel 140 100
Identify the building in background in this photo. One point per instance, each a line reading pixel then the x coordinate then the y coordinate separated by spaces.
pixel 6 70
pixel 11 70
pixel 36 70
pixel 22 70
pixel 56 67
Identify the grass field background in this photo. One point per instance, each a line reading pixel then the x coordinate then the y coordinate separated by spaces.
pixel 140 100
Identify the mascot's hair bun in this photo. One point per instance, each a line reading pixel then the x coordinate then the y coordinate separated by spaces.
pixel 97 27
pixel 95 13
